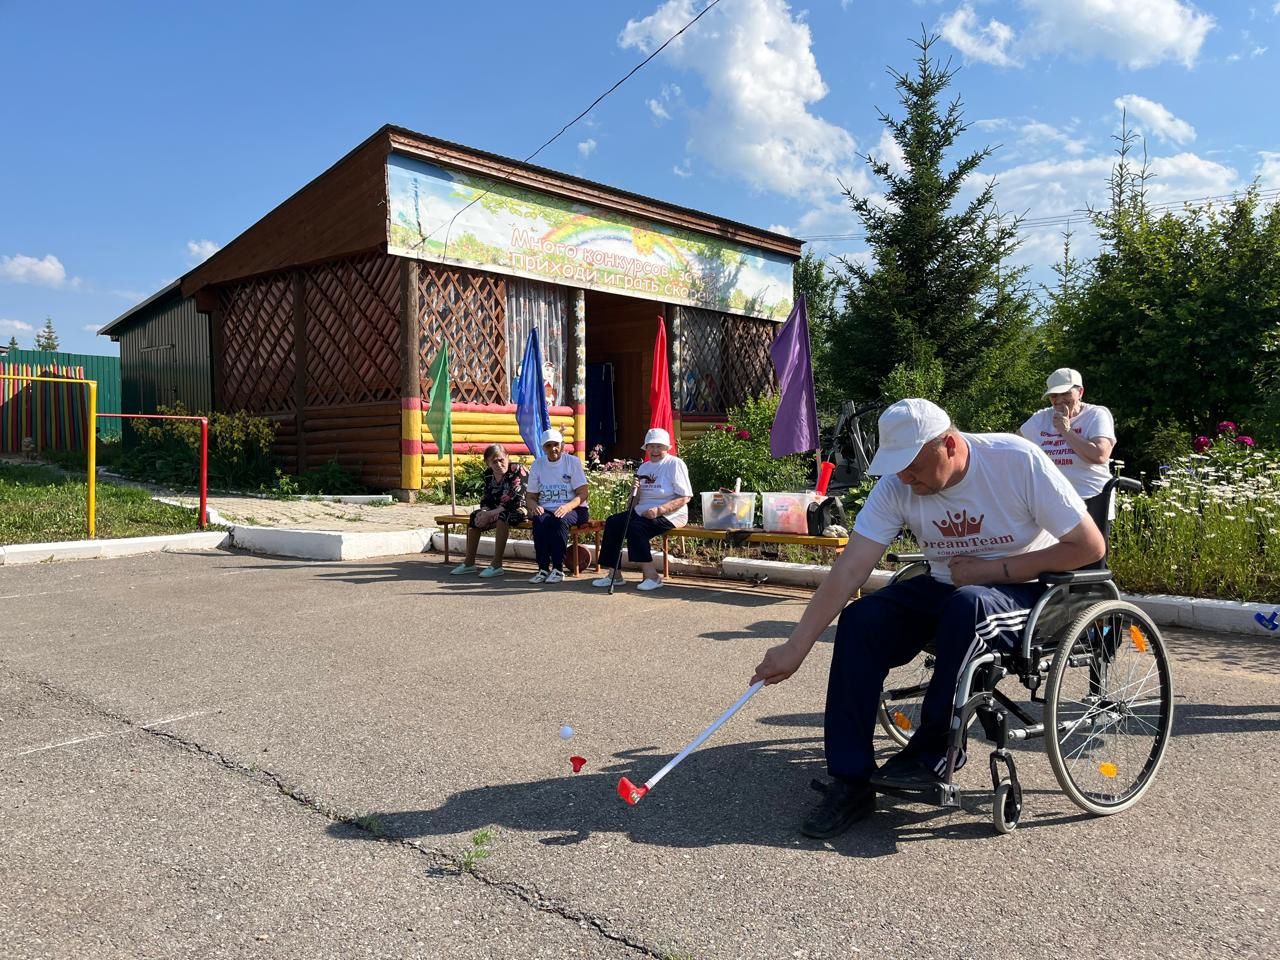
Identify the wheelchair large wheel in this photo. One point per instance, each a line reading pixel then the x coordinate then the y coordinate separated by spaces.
pixel 1108 707
pixel 903 697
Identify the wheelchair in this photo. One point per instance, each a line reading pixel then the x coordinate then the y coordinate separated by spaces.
pixel 1096 665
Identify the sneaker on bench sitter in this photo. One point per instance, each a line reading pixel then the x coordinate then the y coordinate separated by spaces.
pixel 540 576
pixel 606 580
pixel 648 584
pixel 463 568
pixel 555 576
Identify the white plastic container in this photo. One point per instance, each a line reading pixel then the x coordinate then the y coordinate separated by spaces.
pixel 788 512
pixel 722 510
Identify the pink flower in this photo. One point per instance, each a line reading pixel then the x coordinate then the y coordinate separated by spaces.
pixel 1201 444
pixel 744 434
pixel 729 428
pixel 1247 441
pixel 1227 426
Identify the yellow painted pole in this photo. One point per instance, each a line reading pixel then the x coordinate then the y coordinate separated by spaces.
pixel 93 432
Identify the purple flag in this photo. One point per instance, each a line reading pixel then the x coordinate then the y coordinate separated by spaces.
pixel 795 426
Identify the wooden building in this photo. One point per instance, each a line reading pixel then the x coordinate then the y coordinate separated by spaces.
pixel 326 314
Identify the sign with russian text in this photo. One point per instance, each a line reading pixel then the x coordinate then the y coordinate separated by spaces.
pixel 451 217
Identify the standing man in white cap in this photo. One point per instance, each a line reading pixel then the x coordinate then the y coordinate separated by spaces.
pixel 556 497
pixel 1077 436
pixel 990 513
pixel 661 503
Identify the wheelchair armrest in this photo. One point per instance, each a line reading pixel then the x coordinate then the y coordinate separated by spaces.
pixel 904 557
pixel 1075 576
pixel 1127 483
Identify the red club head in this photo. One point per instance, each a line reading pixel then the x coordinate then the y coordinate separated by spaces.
pixel 629 792
pixel 577 763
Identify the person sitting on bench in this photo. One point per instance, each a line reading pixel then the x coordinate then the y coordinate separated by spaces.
pixel 661 503
pixel 501 507
pixel 556 496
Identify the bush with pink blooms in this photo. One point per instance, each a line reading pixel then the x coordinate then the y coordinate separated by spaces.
pixel 1210 525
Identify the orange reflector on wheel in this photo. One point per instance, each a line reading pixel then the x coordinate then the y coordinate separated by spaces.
pixel 1108 769
pixel 1139 640
pixel 901 720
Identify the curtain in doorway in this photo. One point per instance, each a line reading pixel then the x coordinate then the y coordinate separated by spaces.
pixel 531 304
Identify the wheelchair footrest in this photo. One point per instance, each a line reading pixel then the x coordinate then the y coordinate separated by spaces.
pixel 938 794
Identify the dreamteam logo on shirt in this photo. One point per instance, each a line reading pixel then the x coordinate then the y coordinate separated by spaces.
pixel 961 532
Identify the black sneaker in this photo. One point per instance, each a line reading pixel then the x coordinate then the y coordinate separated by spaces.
pixel 843 804
pixel 913 771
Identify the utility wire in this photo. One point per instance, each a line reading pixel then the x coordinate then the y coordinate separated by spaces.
pixel 510 170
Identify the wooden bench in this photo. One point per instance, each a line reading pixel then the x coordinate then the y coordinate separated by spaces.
pixel 592 528
pixel 742 538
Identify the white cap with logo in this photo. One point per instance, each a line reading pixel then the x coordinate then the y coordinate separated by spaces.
pixel 905 427
pixel 1062 380
pixel 658 435
pixel 552 436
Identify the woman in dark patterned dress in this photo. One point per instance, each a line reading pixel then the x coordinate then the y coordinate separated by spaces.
pixel 501 505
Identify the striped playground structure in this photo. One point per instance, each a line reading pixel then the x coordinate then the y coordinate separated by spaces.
pixel 53 415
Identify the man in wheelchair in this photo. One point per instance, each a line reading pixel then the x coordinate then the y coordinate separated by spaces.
pixel 991 513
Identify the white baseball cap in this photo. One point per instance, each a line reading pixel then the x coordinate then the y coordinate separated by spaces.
pixel 658 435
pixel 552 436
pixel 905 427
pixel 1062 380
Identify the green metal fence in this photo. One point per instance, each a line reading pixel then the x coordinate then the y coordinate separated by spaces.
pixel 106 370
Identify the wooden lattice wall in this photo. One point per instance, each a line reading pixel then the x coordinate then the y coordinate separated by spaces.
pixel 724 360
pixel 468 312
pixel 317 350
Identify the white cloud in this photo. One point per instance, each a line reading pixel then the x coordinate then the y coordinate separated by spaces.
pixel 989 44
pixel 91 327
pixel 658 110
pixel 1156 119
pixel 1036 133
pixel 1133 33
pixel 887 150
pixel 19 268
pixel 1268 169
pixel 587 147
pixel 780 228
pixel 201 250
pixel 683 168
pixel 10 327
pixel 757 64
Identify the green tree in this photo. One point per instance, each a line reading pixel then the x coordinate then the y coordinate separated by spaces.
pixel 13 343
pixel 939 292
pixel 47 338
pixel 820 288
pixel 1175 321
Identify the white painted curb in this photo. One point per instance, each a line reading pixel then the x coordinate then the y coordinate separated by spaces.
pixel 99 549
pixel 329 544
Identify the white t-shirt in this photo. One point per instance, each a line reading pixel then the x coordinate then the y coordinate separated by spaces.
pixel 1093 423
pixel 554 483
pixel 1012 500
pixel 662 481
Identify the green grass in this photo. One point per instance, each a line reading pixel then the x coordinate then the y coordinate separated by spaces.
pixel 40 505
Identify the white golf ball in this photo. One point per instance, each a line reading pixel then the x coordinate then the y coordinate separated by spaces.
pixel 566 732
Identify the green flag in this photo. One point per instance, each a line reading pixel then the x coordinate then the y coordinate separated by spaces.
pixel 439 408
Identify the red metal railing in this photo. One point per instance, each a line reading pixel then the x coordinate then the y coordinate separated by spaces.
pixel 204 451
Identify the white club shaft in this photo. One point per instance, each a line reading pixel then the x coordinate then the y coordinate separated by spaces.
pixel 701 738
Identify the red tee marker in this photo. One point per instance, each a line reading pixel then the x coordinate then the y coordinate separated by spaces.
pixel 577 762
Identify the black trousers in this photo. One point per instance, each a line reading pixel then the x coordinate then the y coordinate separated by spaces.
pixel 638 533
pixel 551 536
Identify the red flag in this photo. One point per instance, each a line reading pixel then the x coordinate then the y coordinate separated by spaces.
pixel 660 386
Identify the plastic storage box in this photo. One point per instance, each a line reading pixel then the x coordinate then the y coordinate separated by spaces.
pixel 788 512
pixel 728 511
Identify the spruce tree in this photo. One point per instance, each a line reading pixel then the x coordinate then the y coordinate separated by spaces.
pixel 13 344
pixel 937 309
pixel 47 338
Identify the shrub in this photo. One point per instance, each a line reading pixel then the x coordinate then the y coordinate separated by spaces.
pixel 331 478
pixel 740 448
pixel 168 451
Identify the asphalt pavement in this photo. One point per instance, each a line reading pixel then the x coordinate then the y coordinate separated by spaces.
pixel 222 755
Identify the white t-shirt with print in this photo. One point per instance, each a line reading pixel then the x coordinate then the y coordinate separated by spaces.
pixel 1092 423
pixel 662 481
pixel 1012 500
pixel 554 483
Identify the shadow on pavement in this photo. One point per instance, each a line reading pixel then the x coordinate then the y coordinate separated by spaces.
pixel 1191 719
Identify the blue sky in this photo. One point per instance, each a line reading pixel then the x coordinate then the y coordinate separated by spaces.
pixel 135 138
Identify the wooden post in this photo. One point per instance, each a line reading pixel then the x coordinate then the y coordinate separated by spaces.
pixel 216 373
pixel 410 384
pixel 579 396
pixel 300 366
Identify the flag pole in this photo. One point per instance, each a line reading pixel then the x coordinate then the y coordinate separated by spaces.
pixel 453 491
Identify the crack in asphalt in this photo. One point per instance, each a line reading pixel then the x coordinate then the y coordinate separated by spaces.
pixel 441 859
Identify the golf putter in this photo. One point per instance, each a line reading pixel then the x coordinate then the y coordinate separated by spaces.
pixel 629 792
pixel 631 509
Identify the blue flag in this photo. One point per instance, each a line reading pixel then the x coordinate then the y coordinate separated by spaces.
pixel 531 399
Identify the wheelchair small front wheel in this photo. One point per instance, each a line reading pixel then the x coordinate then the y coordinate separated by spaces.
pixel 1006 808
pixel 1108 707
